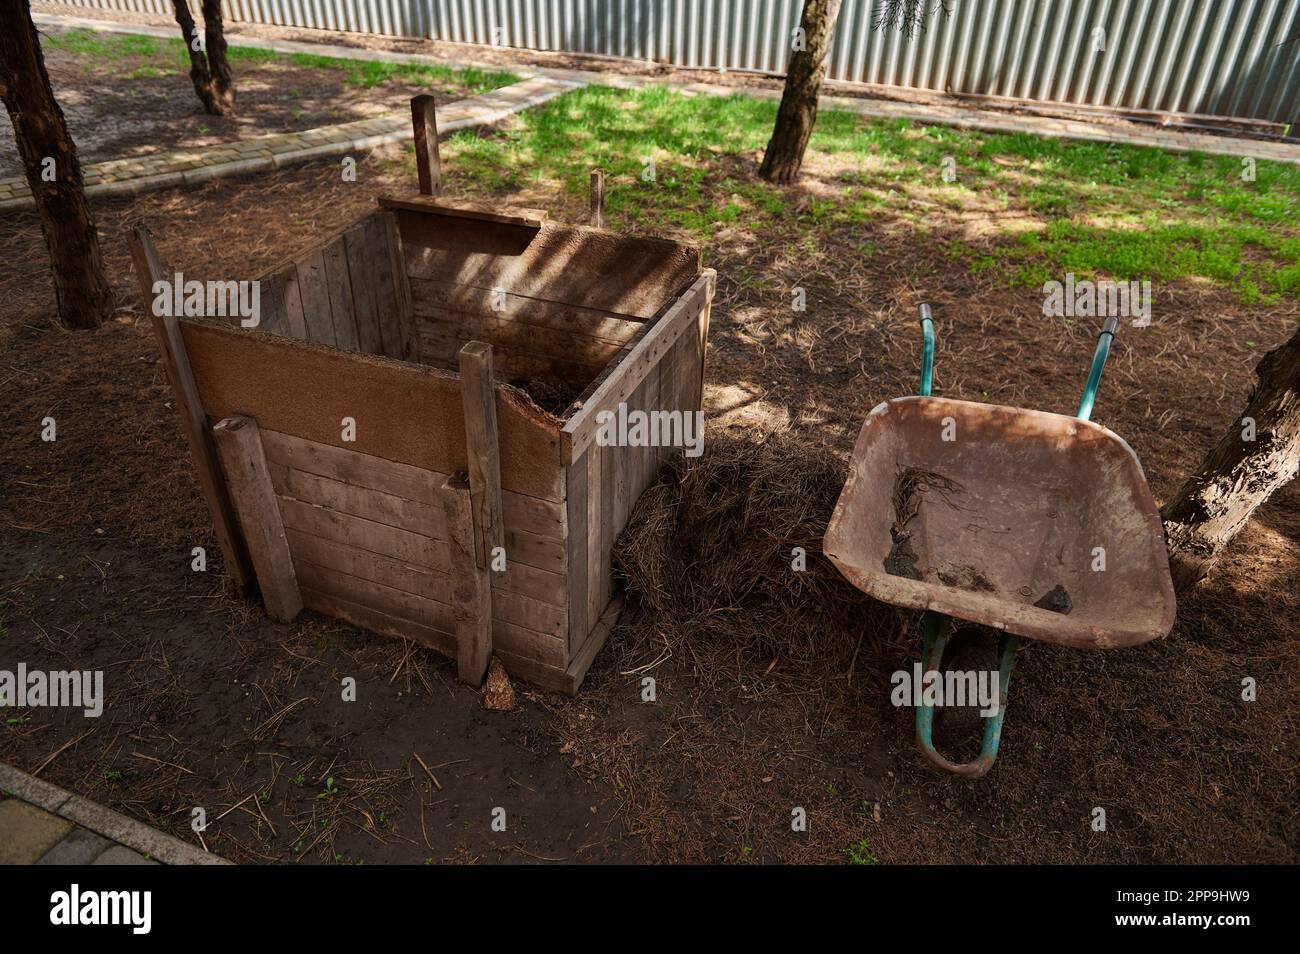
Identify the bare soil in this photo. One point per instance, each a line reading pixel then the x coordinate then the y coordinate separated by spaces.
pixel 96 530
pixel 114 113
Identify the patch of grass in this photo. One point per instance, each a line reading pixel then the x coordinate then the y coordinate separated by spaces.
pixel 861 854
pixel 1105 209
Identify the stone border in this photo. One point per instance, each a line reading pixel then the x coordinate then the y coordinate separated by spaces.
pixel 103 821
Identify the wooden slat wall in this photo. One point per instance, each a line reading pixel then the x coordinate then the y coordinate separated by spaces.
pixel 564 345
pixel 604 482
pixel 404 413
pixel 372 533
pixel 350 293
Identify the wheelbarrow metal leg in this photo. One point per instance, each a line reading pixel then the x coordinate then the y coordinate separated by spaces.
pixel 937 629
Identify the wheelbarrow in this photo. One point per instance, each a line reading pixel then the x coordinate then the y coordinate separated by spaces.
pixel 1035 524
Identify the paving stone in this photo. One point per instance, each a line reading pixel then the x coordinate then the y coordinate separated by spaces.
pixel 30 789
pixel 27 832
pixel 78 847
pixel 122 855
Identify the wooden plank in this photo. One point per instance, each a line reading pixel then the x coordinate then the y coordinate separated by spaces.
pixel 582 266
pixel 609 458
pixel 367 617
pixel 499 330
pixel 576 556
pixel 519 611
pixel 526 218
pixel 478 397
pixel 597 555
pixel 273 317
pixel 172 345
pixel 404 412
pixel 683 316
pixel 316 298
pixel 549 676
pixel 544 518
pixel 366 502
pixel 253 497
pixel 293 312
pixel 581 660
pixel 368 565
pixel 596 214
pixel 338 283
pixel 428 161
pixel 670 387
pixel 440 347
pixel 471 583
pixel 401 290
pixel 433 299
pixel 402 545
pixel 379 596
pixel 648 457
pixel 361 254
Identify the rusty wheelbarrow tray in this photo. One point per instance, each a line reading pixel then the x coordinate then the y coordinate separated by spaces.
pixel 1036 524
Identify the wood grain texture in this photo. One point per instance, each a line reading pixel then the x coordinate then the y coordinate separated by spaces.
pixel 478 397
pixel 590 268
pixel 576 557
pixel 172 346
pixel 248 481
pixel 404 413
pixel 636 363
pixel 471 590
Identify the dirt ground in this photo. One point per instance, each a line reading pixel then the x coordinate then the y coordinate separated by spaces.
pixel 211 705
pixel 114 112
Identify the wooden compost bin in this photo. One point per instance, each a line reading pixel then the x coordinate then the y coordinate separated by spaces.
pixel 394 530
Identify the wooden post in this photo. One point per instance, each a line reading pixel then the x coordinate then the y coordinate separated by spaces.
pixel 478 394
pixel 248 481
pixel 597 198
pixel 471 585
pixel 171 343
pixel 424 120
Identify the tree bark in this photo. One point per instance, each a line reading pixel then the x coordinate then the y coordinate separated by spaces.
pixel 214 31
pixel 1238 474
pixel 803 82
pixel 49 158
pixel 209 71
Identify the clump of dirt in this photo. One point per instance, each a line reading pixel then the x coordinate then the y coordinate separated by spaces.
pixel 1057 600
pixel 966 577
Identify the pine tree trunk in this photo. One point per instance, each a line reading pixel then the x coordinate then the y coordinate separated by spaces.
pixel 223 87
pixel 216 94
pixel 803 82
pixel 81 288
pixel 1239 474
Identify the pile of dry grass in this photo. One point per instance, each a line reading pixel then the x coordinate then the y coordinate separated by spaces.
pixel 715 544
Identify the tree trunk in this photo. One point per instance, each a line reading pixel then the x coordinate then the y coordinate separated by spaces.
pixel 1239 474
pixel 803 83
pixel 49 159
pixel 214 31
pixel 209 73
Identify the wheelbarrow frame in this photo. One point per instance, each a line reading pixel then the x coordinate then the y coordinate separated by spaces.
pixel 937 626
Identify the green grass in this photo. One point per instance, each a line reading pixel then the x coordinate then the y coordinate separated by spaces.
pixel 170 57
pixel 1097 209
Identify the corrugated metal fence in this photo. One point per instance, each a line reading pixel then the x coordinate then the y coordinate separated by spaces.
pixel 1222 57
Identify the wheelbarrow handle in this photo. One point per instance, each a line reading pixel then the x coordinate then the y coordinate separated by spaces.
pixel 927 355
pixel 1107 335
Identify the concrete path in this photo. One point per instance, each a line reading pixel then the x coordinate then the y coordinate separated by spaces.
pixel 42 824
pixel 539 85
